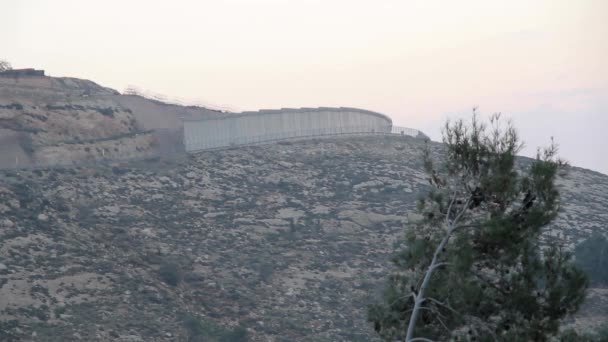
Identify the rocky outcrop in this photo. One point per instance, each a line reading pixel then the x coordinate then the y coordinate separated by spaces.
pixel 52 88
pixel 291 241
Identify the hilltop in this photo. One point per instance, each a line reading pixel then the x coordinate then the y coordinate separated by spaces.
pixel 289 241
pixel 60 120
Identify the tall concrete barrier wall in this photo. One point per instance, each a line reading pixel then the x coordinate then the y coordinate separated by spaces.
pixel 272 125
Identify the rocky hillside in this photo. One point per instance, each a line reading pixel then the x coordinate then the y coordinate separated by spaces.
pixel 283 242
pixel 50 121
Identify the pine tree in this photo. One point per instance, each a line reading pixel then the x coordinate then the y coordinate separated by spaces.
pixel 474 267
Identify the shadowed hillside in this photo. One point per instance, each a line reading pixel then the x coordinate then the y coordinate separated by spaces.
pixel 287 242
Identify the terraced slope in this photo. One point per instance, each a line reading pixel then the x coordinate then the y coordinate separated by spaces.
pixel 57 120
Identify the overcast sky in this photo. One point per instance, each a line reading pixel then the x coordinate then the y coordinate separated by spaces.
pixel 543 63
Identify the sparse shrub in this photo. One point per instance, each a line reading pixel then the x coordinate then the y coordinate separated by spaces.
pixel 14 105
pixel 85 214
pixel 238 334
pixel 170 272
pixel 40 289
pixel 194 327
pixel 198 331
pixel 191 277
pixel 26 143
pixel 41 312
pixel 53 107
pixel 25 193
pixel 106 111
pixel 119 170
pixel 59 310
pixel 6 328
pixel 592 257
pixel 266 270
pixel 5 65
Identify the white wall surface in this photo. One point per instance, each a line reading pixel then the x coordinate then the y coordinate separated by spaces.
pixel 270 125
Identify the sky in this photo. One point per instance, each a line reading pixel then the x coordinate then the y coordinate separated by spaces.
pixel 543 63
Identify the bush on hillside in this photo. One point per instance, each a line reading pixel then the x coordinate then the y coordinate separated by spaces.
pixel 592 257
pixel 170 272
pixel 199 330
pixel 5 65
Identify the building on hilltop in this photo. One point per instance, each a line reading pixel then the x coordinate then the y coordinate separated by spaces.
pixel 28 72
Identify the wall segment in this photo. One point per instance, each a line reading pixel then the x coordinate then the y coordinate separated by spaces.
pixel 271 125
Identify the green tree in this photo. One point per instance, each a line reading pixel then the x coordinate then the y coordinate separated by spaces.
pixel 592 257
pixel 473 267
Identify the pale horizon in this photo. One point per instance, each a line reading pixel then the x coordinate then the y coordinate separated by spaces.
pixel 541 63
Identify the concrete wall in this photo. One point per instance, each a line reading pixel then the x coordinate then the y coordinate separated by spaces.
pixel 270 125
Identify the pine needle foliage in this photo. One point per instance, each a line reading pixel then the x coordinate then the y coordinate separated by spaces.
pixel 474 267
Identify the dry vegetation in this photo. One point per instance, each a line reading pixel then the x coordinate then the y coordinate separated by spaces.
pixel 281 242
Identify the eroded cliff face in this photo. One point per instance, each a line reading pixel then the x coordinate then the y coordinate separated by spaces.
pixel 290 240
pixel 55 121
pixel 45 120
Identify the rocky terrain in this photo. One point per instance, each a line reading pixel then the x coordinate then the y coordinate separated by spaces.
pixel 59 120
pixel 282 242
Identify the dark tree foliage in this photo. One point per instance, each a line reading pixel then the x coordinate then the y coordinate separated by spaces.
pixel 592 257
pixel 473 267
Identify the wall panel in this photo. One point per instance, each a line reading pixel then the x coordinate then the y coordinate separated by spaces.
pixel 271 125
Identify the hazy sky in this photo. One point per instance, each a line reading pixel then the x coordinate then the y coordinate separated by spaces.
pixel 542 62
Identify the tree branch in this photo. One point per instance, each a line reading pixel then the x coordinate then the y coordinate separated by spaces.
pixel 447 215
pixel 438 316
pixel 464 209
pixel 441 264
pixel 442 304
pixel 427 277
pixel 403 297
pixel 466 226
